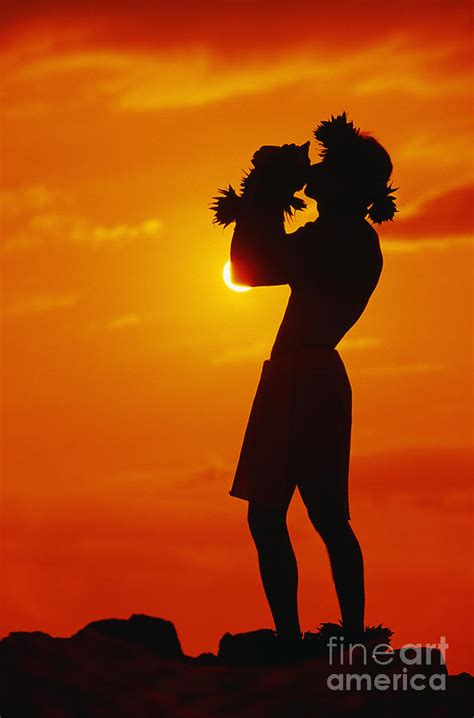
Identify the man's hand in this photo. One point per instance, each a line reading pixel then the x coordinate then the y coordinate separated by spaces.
pixel 285 168
pixel 265 154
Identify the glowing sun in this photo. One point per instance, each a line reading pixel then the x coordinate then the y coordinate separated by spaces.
pixel 230 283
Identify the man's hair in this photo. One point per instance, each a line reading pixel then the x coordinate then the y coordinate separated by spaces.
pixel 362 166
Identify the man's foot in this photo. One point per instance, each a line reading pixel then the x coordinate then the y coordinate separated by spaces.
pixel 332 640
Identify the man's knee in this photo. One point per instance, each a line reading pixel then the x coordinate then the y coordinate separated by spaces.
pixel 267 524
pixel 330 525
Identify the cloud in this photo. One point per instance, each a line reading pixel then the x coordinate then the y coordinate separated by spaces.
pixel 37 215
pixel 231 27
pixel 125 321
pixel 138 82
pixel 444 216
pixel 133 80
pixel 241 354
pixel 40 303
pixel 400 369
pixel 350 343
pixel 411 72
pixel 26 200
pixel 20 242
pixel 445 147
pixel 436 475
pixel 413 246
pixel 259 350
pixel 432 475
pixel 116 234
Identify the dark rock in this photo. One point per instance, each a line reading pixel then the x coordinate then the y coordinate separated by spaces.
pixel 461 694
pixel 155 634
pixel 207 659
pixel 114 673
pixel 251 649
pixel 28 636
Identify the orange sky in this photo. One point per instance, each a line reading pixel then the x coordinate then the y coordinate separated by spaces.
pixel 129 366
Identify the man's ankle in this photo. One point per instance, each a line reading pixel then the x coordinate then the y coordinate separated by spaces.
pixel 289 638
pixel 353 634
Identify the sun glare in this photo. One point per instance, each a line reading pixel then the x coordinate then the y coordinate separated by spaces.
pixel 230 283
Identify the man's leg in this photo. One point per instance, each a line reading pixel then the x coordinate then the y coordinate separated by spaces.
pixel 347 567
pixel 278 567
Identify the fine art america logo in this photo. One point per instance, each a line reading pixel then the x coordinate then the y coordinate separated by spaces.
pixel 411 667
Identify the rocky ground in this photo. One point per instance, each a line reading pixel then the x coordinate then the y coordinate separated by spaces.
pixel 135 668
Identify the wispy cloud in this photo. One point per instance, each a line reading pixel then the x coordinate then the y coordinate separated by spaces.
pixel 444 215
pixel 398 369
pixel 431 475
pixel 242 354
pixel 138 82
pixel 116 234
pixel 411 72
pixel 25 200
pixel 261 350
pixel 39 303
pixel 36 215
pixel 350 343
pixel 430 244
pixel 135 81
pixel 125 321
pixel 443 148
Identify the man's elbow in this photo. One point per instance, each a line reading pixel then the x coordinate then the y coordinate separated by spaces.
pixel 240 273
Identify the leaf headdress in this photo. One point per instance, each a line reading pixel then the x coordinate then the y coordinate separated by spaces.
pixel 343 144
pixel 277 173
pixel 335 135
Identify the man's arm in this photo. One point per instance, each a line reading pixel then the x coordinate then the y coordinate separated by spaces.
pixel 262 253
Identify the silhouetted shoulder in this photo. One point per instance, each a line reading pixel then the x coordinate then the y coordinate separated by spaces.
pixel 350 247
pixel 339 228
pixel 307 230
pixel 345 236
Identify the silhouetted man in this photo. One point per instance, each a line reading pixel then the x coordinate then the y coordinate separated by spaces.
pixel 299 429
